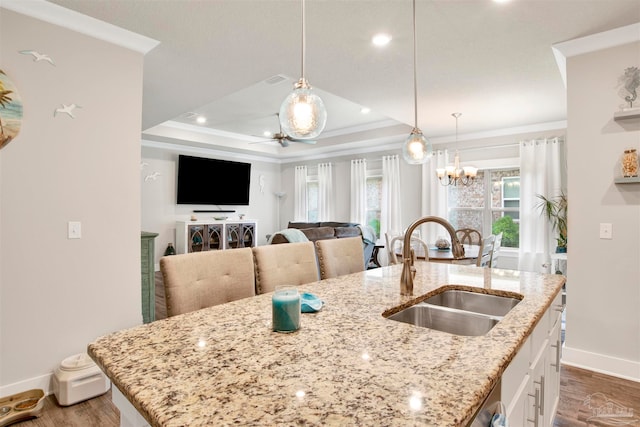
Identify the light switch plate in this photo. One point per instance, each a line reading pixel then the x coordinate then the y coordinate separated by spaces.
pixel 74 229
pixel 606 230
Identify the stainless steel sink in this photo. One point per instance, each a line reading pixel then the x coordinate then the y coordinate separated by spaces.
pixel 446 320
pixel 458 312
pixel 493 305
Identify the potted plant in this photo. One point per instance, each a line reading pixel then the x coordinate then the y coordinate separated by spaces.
pixel 555 211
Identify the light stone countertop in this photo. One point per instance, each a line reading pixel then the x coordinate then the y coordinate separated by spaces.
pixel 347 365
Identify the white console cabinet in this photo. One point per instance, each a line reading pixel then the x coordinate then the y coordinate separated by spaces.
pixel 531 382
pixel 204 235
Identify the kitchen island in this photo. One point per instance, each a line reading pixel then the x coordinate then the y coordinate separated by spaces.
pixel 347 365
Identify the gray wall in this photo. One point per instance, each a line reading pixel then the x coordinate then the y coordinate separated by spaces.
pixel 603 287
pixel 56 294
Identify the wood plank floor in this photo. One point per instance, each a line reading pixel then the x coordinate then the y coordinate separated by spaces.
pixel 578 389
pixel 576 386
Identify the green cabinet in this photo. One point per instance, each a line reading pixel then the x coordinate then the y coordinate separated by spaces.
pixel 147 247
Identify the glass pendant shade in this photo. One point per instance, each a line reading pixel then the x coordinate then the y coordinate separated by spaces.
pixel 416 149
pixel 302 113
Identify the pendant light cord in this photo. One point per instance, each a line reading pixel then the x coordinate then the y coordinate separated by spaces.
pixel 415 78
pixel 303 41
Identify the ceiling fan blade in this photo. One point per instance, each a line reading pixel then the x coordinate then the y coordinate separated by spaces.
pixel 304 141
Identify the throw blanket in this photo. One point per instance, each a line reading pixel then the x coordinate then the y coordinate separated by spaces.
pixel 292 235
pixel 368 235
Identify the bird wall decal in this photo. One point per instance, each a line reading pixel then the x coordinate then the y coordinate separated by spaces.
pixel 37 56
pixel 152 177
pixel 66 109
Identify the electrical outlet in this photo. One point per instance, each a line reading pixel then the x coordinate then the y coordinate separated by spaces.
pixel 74 229
pixel 606 231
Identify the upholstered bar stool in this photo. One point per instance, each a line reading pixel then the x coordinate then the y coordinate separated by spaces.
pixel 288 264
pixel 203 279
pixel 338 257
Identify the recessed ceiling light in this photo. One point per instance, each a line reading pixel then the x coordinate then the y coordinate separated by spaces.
pixel 381 39
pixel 201 119
pixel 501 1
pixel 266 133
pixel 365 110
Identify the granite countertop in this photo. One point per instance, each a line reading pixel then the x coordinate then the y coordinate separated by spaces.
pixel 347 365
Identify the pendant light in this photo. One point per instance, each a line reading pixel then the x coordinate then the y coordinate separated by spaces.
pixel 416 149
pixel 302 113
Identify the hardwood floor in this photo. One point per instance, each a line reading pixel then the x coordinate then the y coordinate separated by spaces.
pixel 96 412
pixel 579 389
pixel 583 392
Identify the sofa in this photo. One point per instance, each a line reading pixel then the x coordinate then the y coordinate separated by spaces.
pixel 314 231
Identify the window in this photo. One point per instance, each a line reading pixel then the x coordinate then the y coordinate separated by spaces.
pixel 374 198
pixel 491 204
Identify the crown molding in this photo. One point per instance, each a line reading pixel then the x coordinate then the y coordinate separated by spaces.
pixel 593 43
pixel 72 20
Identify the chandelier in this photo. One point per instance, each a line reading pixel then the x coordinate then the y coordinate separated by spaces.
pixel 454 175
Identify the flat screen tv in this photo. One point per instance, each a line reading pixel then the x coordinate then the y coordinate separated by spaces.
pixel 204 181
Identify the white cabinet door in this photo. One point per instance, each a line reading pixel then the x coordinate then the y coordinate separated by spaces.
pixel 535 410
pixel 517 409
pixel 552 385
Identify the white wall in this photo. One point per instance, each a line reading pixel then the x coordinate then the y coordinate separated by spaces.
pixel 56 294
pixel 603 286
pixel 160 211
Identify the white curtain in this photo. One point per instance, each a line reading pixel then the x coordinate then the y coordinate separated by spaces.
pixel 541 165
pixel 390 215
pixel 325 192
pixel 300 196
pixel 434 196
pixel 358 212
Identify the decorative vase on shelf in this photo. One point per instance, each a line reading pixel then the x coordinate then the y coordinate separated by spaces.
pixel 170 250
pixel 630 163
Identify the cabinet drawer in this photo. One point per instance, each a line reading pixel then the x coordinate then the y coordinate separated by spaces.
pixel 515 373
pixel 539 336
pixel 555 311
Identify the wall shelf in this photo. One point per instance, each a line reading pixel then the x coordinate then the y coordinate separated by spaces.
pixel 632 180
pixel 631 113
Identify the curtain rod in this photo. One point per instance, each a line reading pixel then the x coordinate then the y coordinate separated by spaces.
pixel 484 147
pixel 507 145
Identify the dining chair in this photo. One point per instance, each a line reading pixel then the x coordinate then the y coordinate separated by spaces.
pixel 290 264
pixel 495 252
pixel 393 254
pixel 202 279
pixel 469 236
pixel 338 257
pixel 395 242
pixel 486 249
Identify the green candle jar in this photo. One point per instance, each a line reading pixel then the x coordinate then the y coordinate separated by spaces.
pixel 285 307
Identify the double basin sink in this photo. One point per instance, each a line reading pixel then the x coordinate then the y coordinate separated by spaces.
pixel 458 312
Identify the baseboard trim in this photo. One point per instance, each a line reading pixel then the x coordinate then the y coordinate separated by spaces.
pixel 42 382
pixel 608 365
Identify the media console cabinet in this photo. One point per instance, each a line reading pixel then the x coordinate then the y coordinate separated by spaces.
pixel 212 235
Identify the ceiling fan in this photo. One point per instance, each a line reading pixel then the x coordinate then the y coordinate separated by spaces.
pixel 283 139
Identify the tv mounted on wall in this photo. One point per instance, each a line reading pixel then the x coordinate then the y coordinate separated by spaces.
pixel 203 181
